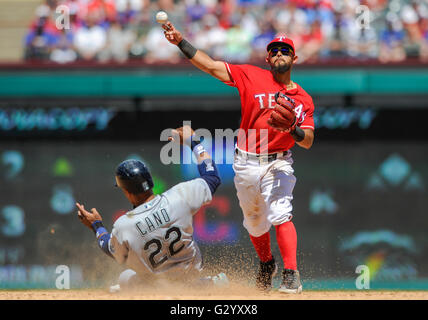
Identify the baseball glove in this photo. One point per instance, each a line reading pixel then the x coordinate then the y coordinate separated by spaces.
pixel 283 117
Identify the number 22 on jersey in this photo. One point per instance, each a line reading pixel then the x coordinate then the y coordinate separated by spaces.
pixel 173 233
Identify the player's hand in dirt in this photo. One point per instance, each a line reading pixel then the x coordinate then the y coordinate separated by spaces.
pixel 171 33
pixel 183 134
pixel 86 217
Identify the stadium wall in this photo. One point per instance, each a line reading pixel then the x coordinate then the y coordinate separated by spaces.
pixel 360 198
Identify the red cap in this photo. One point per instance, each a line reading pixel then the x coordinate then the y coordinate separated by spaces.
pixel 281 40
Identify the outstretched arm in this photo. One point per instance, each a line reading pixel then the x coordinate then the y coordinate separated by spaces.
pixel 197 57
pixel 93 221
pixel 206 165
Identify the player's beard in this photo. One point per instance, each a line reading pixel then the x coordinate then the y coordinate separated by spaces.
pixel 281 67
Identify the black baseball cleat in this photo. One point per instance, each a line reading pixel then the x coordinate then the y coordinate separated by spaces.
pixel 290 282
pixel 267 270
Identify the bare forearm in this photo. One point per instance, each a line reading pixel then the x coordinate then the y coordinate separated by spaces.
pixel 197 57
pixel 308 140
pixel 203 61
pixel 306 143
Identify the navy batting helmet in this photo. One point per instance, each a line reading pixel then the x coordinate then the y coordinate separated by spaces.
pixel 133 176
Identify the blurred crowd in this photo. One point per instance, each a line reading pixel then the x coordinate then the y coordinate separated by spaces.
pixel 65 31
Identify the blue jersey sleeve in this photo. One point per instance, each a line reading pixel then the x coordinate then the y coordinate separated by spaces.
pixel 103 237
pixel 208 171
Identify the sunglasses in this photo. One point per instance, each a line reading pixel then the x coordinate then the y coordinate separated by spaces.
pixel 286 51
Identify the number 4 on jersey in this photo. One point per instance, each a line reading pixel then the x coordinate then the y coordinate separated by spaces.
pixel 298 111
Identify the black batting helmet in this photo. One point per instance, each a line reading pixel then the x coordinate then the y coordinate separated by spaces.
pixel 133 176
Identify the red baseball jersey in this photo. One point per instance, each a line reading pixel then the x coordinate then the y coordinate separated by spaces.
pixel 257 88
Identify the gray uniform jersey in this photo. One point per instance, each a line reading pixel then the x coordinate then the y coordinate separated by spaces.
pixel 157 236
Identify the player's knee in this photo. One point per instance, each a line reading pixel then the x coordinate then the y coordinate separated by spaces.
pixel 256 228
pixel 253 217
pixel 127 278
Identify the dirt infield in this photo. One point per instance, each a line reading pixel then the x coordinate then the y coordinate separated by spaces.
pixel 232 293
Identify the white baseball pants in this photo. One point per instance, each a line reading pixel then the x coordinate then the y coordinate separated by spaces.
pixel 265 191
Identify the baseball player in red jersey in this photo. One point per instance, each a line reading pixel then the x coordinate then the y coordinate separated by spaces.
pixel 276 113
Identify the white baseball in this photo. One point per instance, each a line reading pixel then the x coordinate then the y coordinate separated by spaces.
pixel 161 17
